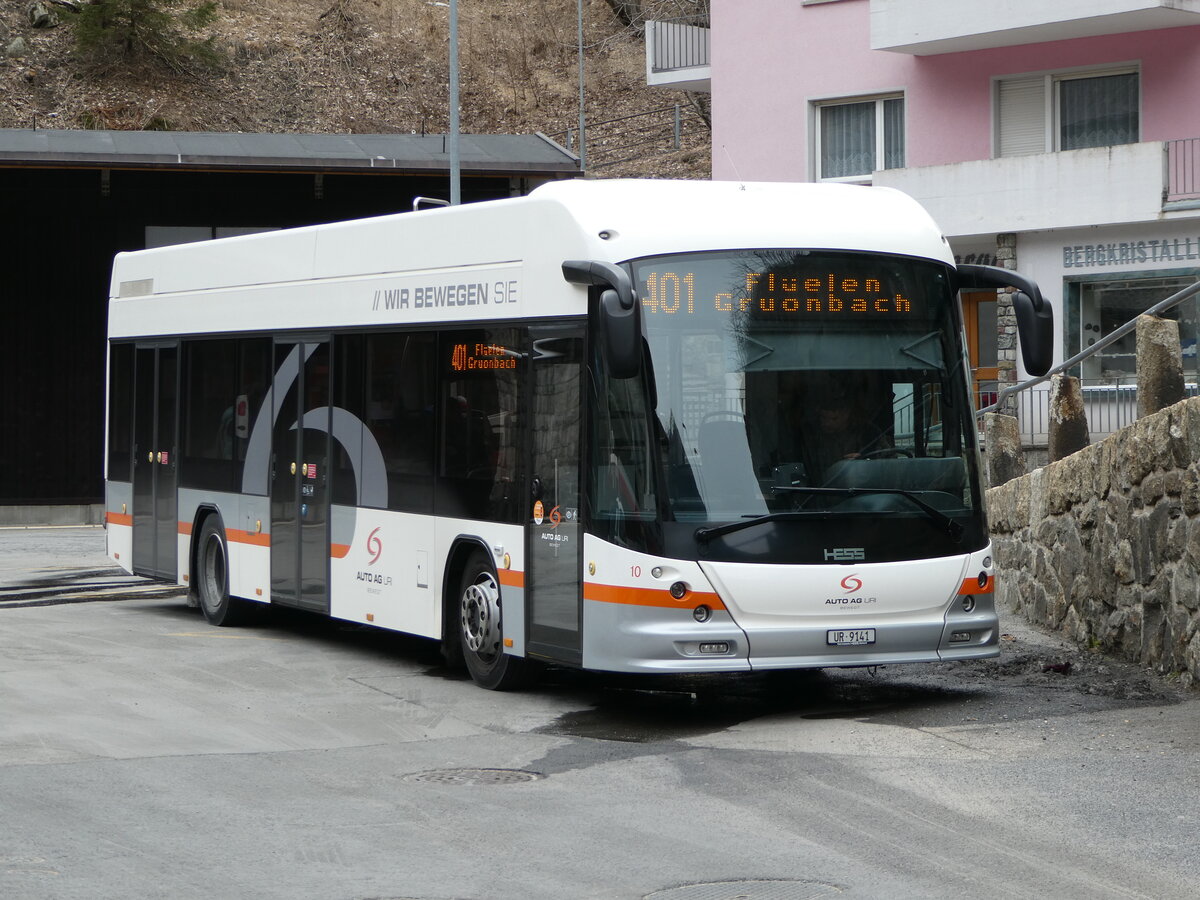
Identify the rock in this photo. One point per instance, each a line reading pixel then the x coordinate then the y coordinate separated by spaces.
pixel 1005 456
pixel 1068 427
pixel 40 16
pixel 16 48
pixel 1159 364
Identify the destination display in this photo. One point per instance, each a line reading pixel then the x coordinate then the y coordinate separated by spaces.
pixel 477 357
pixel 799 286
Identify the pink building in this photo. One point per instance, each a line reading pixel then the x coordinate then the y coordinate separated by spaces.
pixel 1062 137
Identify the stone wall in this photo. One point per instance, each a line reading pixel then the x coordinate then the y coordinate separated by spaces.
pixel 1104 545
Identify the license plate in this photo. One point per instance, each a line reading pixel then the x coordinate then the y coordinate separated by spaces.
pixel 850 637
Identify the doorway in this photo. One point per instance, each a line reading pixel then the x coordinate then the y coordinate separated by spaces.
pixel 300 476
pixel 155 463
pixel 982 326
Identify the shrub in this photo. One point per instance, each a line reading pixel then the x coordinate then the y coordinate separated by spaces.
pixel 128 29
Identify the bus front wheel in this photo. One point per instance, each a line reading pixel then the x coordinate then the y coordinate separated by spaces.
pixel 212 582
pixel 479 629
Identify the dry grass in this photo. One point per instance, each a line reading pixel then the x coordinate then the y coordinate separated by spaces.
pixel 349 66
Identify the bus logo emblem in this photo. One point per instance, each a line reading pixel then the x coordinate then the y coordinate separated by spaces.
pixel 846 554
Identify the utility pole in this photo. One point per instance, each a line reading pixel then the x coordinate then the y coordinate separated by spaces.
pixel 582 139
pixel 455 160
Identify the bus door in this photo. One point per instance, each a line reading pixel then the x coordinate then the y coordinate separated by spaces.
pixel 155 407
pixel 300 475
pixel 554 537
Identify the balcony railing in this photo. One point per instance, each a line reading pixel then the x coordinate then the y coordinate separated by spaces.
pixel 677 54
pixel 676 44
pixel 1183 170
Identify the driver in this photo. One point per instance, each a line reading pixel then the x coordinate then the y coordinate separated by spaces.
pixel 842 432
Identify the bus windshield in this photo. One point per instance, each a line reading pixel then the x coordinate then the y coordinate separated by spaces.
pixel 810 390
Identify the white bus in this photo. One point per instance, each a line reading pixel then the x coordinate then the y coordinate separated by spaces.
pixel 589 427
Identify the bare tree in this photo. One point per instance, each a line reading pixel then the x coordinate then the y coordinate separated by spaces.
pixel 628 11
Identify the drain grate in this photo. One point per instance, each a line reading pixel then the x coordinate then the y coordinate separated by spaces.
pixel 474 776
pixel 752 889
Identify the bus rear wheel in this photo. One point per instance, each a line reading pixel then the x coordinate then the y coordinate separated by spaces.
pixel 479 629
pixel 212 581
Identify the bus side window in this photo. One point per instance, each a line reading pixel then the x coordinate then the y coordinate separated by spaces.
pixel 254 375
pixel 479 446
pixel 207 424
pixel 396 402
pixel 120 424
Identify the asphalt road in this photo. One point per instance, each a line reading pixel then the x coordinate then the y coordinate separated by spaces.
pixel 146 754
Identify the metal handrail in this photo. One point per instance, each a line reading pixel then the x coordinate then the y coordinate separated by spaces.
pixel 623 133
pixel 1111 338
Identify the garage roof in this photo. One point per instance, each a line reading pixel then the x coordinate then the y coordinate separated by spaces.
pixel 480 154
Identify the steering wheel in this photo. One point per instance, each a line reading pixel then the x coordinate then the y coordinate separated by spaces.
pixel 887 451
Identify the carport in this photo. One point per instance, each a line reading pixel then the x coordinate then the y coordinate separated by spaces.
pixel 72 199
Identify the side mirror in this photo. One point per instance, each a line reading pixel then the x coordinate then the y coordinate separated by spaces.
pixel 1035 318
pixel 620 335
pixel 1035 327
pixel 620 320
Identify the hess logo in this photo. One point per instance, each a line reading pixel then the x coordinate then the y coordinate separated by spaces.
pixel 851 583
pixel 374 547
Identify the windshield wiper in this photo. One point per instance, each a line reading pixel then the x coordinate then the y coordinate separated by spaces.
pixel 953 528
pixel 703 535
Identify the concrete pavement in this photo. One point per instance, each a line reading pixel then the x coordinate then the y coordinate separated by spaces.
pixel 41 566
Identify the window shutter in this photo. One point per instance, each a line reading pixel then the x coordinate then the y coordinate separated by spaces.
pixel 1021 127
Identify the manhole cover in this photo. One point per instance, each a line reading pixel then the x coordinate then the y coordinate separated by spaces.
pixel 753 889
pixel 474 776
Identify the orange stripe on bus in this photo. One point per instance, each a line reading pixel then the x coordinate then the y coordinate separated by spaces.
pixel 972 586
pixel 185 527
pixel 247 537
pixel 339 551
pixel 634 596
pixel 118 518
pixel 512 578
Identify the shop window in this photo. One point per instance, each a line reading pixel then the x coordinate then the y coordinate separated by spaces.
pixel 1104 306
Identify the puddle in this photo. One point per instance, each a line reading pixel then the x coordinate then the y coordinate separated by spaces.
pixel 665 712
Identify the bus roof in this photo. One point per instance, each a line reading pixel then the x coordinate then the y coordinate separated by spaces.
pixel 610 220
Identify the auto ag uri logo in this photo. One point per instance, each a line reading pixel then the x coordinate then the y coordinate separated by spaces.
pixel 851 583
pixel 374 547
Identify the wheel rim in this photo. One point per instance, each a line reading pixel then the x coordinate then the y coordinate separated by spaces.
pixel 481 616
pixel 212 573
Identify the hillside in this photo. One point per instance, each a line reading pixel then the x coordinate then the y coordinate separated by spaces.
pixel 363 66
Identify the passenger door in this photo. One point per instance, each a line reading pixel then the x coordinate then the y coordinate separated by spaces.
pixel 300 476
pixel 554 536
pixel 155 522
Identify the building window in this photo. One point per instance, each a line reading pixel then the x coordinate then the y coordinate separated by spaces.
pixel 859 137
pixel 1097 308
pixel 1066 111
